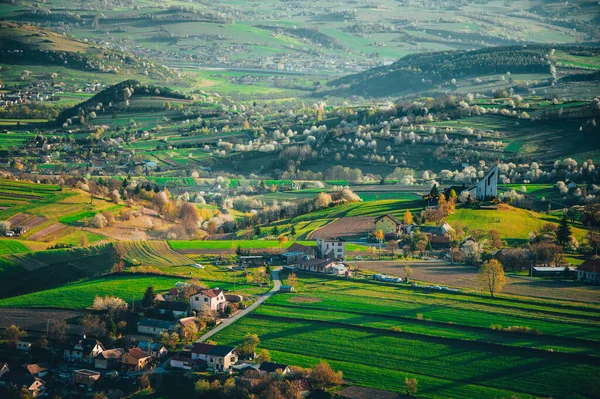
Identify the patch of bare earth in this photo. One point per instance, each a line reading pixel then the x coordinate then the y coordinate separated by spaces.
pixel 463 276
pixel 35 319
pixel 51 232
pixel 355 226
pixel 304 299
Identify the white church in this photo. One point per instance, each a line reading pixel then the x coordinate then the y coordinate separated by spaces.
pixel 487 187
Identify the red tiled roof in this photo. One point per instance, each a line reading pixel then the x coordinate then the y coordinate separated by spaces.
pixel 590 265
pixel 137 353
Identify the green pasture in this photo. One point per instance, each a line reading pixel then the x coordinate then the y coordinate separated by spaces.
pixel 443 339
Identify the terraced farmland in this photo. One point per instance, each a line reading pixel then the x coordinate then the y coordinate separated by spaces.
pixel 378 335
pixel 153 253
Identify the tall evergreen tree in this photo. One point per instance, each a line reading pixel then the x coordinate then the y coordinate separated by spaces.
pixel 563 234
pixel 149 297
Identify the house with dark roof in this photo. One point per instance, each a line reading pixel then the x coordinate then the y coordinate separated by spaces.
pixel 175 309
pixel 270 367
pixel 154 349
pixel 214 299
pixel 83 350
pixel 110 359
pixel 217 357
pixel 154 326
pixel 589 271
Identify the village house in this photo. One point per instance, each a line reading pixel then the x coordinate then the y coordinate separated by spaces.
pixel 217 357
pixel 109 359
pixel 269 367
pixel 135 359
pixel 3 368
pixel 332 248
pixel 36 369
pixel 589 271
pixel 24 346
pixel 214 299
pixel 174 309
pixel 34 385
pixel 85 377
pixel 154 326
pixel 154 349
pixel 83 350
pixel 388 224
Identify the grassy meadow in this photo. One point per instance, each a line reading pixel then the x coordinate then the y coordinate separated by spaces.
pixel 378 335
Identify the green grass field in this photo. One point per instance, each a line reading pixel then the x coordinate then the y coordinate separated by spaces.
pixel 442 339
pixel 513 224
pixel 8 247
pixel 80 295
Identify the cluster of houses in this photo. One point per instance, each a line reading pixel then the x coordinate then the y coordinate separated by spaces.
pixel 327 257
pixel 393 228
pixel 91 360
pixel 180 313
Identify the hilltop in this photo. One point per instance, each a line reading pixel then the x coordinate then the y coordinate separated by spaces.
pixel 446 71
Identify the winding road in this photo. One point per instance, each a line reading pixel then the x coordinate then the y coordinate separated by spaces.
pixel 239 315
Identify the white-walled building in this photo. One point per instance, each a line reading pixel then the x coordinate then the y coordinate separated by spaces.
pixel 212 298
pixel 486 187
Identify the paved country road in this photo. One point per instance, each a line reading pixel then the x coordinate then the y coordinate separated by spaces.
pixel 239 315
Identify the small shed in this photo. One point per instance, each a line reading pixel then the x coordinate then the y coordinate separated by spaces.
pixel 287 288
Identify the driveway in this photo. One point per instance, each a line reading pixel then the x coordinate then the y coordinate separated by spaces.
pixel 239 315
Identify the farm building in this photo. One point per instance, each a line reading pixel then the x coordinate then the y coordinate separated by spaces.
pixel 217 357
pixel 487 187
pixel 154 326
pixel 564 272
pixel 589 271
pixel 211 298
pixel 109 359
pixel 83 350
pixel 388 224
pixel 326 266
